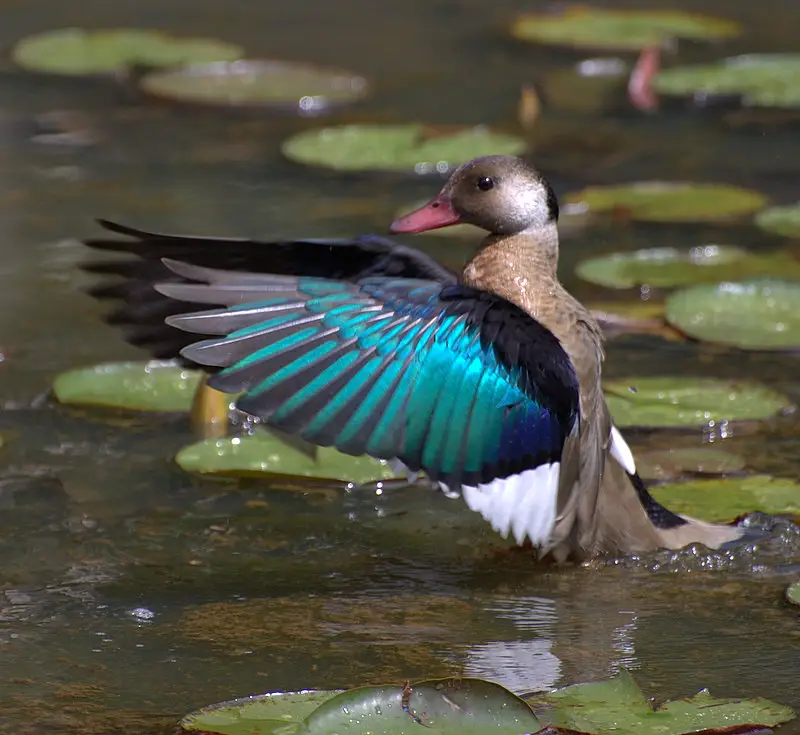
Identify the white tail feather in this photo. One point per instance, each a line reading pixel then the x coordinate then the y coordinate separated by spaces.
pixel 523 505
pixel 622 452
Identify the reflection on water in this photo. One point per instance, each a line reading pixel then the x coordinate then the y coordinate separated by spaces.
pixel 131 593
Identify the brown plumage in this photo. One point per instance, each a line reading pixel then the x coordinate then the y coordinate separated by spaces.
pixel 602 505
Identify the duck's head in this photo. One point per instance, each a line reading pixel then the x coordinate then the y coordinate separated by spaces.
pixel 500 194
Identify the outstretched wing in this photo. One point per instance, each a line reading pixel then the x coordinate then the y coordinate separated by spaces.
pixel 450 380
pixel 143 311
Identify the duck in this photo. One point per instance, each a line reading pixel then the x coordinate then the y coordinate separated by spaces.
pixel 487 380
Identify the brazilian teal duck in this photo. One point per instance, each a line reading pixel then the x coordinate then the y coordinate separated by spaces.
pixel 489 381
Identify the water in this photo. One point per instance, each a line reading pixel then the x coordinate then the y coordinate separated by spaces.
pixel 132 593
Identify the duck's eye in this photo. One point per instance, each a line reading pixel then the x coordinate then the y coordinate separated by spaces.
pixel 485 183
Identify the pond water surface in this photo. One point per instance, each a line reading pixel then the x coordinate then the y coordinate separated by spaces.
pixel 131 593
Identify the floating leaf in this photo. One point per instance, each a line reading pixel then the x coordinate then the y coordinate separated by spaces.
pixel 596 28
pixel 763 80
pixel 663 201
pixel 667 267
pixel 685 401
pixel 664 464
pixel 781 220
pixel 79 52
pixel 751 315
pixel 725 499
pixel 618 706
pixel 263 453
pixel 308 89
pixel 793 593
pixel 416 148
pixel 143 386
pixel 257 715
pixel 464 706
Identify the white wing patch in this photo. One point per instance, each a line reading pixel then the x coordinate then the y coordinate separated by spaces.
pixel 523 505
pixel 622 452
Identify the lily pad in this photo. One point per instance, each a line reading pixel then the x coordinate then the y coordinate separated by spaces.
pixel 81 52
pixel 264 454
pixel 596 28
pixel 725 499
pixel 256 715
pixel 687 401
pixel 464 706
pixel 619 706
pixel 793 593
pixel 665 464
pixel 781 220
pixel 762 80
pixel 415 148
pixel 302 87
pixel 751 315
pixel 667 267
pixel 142 386
pixel 664 201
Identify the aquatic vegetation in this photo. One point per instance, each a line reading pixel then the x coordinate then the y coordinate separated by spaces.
pixel 474 706
pixel 783 220
pixel 761 80
pixel 81 52
pixel 724 499
pixel 583 26
pixel 670 201
pixel 759 314
pixel 304 88
pixel 668 267
pixel 411 148
pixel 687 401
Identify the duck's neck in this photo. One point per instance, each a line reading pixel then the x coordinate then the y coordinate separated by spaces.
pixel 521 268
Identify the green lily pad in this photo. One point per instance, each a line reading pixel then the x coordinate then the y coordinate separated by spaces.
pixel 258 715
pixel 415 148
pixel 142 386
pixel 464 706
pixel 596 28
pixel 781 220
pixel 763 80
pixel 308 89
pixel 263 453
pixel 619 706
pixel 751 315
pixel 667 267
pixel 664 201
pixel 665 464
pixel 725 499
pixel 686 401
pixel 793 593
pixel 81 52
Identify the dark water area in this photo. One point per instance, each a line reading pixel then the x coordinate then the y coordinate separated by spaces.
pixel 131 593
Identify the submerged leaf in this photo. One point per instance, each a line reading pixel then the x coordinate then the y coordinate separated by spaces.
pixel 265 454
pixel 667 267
pixel 597 28
pixel 618 706
pixel 686 401
pixel 414 148
pixel 142 386
pixel 79 51
pixel 725 499
pixel 308 89
pixel 793 593
pixel 258 715
pixel 751 315
pixel 665 201
pixel 664 464
pixel 783 220
pixel 763 80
